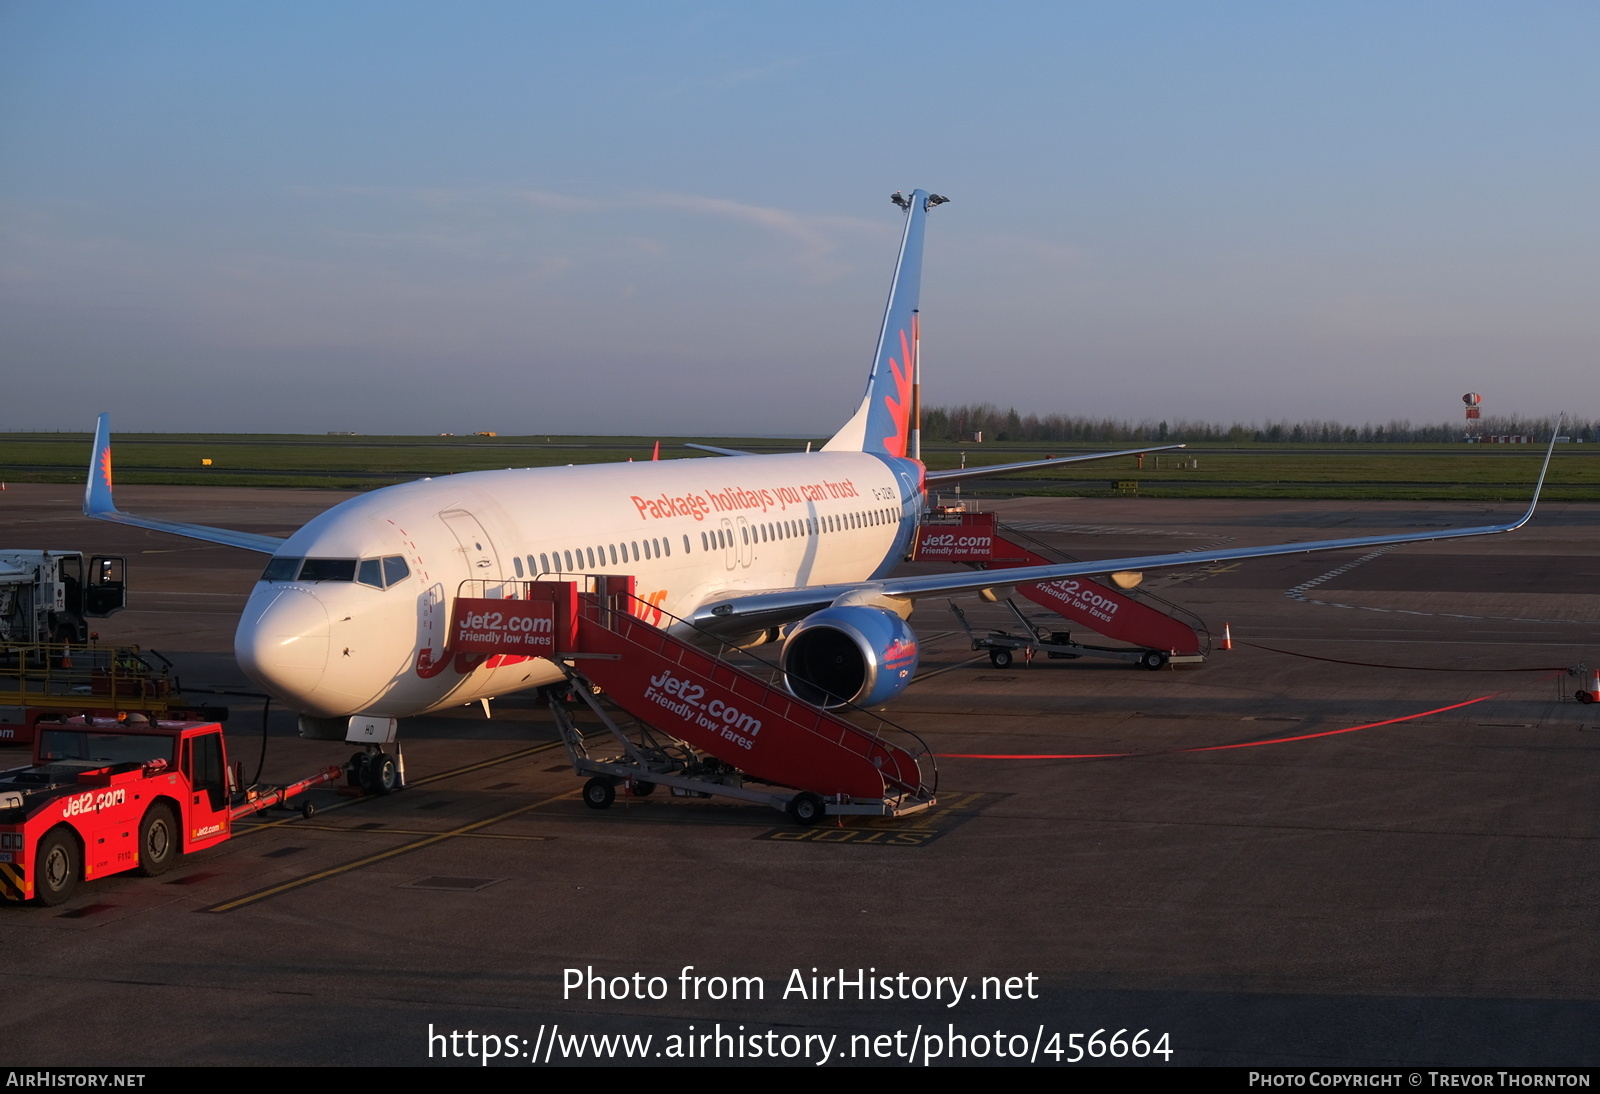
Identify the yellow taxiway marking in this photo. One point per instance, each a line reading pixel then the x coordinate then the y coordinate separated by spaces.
pixel 386 831
pixel 914 831
pixel 356 864
pixel 452 773
pixel 481 764
pixel 929 675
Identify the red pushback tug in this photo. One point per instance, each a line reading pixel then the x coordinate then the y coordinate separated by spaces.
pixel 105 795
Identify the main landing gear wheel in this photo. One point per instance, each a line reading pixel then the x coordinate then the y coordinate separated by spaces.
pixel 382 776
pixel 1000 658
pixel 356 773
pixel 807 809
pixel 160 840
pixel 1153 660
pixel 598 793
pixel 57 870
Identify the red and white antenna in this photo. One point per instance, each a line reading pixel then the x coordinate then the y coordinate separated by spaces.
pixel 1472 399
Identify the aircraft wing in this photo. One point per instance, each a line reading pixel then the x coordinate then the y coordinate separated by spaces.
pixel 98 503
pixel 962 474
pixel 768 609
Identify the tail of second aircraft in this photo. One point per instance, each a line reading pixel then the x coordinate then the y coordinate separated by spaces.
pixel 886 418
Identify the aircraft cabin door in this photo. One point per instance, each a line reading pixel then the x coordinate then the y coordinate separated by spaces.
pixel 483 562
pixel 747 548
pixel 730 553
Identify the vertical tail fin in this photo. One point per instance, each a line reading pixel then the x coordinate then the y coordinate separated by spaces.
pixel 97 491
pixel 884 421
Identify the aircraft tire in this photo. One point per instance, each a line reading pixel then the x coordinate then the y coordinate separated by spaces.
pixel 383 777
pixel 598 793
pixel 356 772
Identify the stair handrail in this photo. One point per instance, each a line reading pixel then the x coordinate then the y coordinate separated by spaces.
pixel 718 649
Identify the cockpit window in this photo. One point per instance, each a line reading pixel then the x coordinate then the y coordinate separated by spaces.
pixel 377 572
pixel 328 569
pixel 281 569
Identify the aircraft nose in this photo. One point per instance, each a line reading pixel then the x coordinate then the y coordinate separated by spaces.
pixel 283 645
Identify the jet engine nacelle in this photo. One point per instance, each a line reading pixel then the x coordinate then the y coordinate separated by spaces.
pixel 849 654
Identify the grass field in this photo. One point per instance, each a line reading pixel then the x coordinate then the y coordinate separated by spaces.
pixel 1353 471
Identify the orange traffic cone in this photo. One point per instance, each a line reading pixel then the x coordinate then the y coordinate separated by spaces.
pixel 1227 637
pixel 1594 686
pixel 66 657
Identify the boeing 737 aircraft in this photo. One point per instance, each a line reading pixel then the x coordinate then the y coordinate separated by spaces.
pixel 350 617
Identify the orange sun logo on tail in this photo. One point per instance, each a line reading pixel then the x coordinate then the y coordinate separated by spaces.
pixel 105 467
pixel 898 403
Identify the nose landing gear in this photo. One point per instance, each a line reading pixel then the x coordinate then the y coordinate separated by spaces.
pixel 375 771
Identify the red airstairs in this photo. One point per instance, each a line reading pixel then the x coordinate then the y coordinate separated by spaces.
pixel 1149 623
pixel 701 724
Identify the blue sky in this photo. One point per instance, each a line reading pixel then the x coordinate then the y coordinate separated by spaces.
pixel 674 218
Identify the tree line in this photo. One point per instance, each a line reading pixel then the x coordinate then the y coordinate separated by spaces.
pixel 959 423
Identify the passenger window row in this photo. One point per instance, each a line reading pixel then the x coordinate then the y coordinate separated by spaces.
pixel 382 573
pixel 776 531
pixel 592 559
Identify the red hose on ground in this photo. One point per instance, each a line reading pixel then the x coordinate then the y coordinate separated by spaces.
pixel 1211 748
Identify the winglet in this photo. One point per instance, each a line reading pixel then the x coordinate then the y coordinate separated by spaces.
pixel 1543 471
pixel 97 500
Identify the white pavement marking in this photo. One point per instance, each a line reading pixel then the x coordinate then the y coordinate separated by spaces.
pixel 1299 591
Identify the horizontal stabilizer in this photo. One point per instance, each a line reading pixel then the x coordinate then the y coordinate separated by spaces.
pixel 99 504
pixel 714 450
pixel 962 474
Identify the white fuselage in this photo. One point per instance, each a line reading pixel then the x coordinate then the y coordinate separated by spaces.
pixel 688 530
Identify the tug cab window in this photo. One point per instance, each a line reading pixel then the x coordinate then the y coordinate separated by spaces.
pixel 66 745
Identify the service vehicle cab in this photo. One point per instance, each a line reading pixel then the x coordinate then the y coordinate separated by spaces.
pixel 105 795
